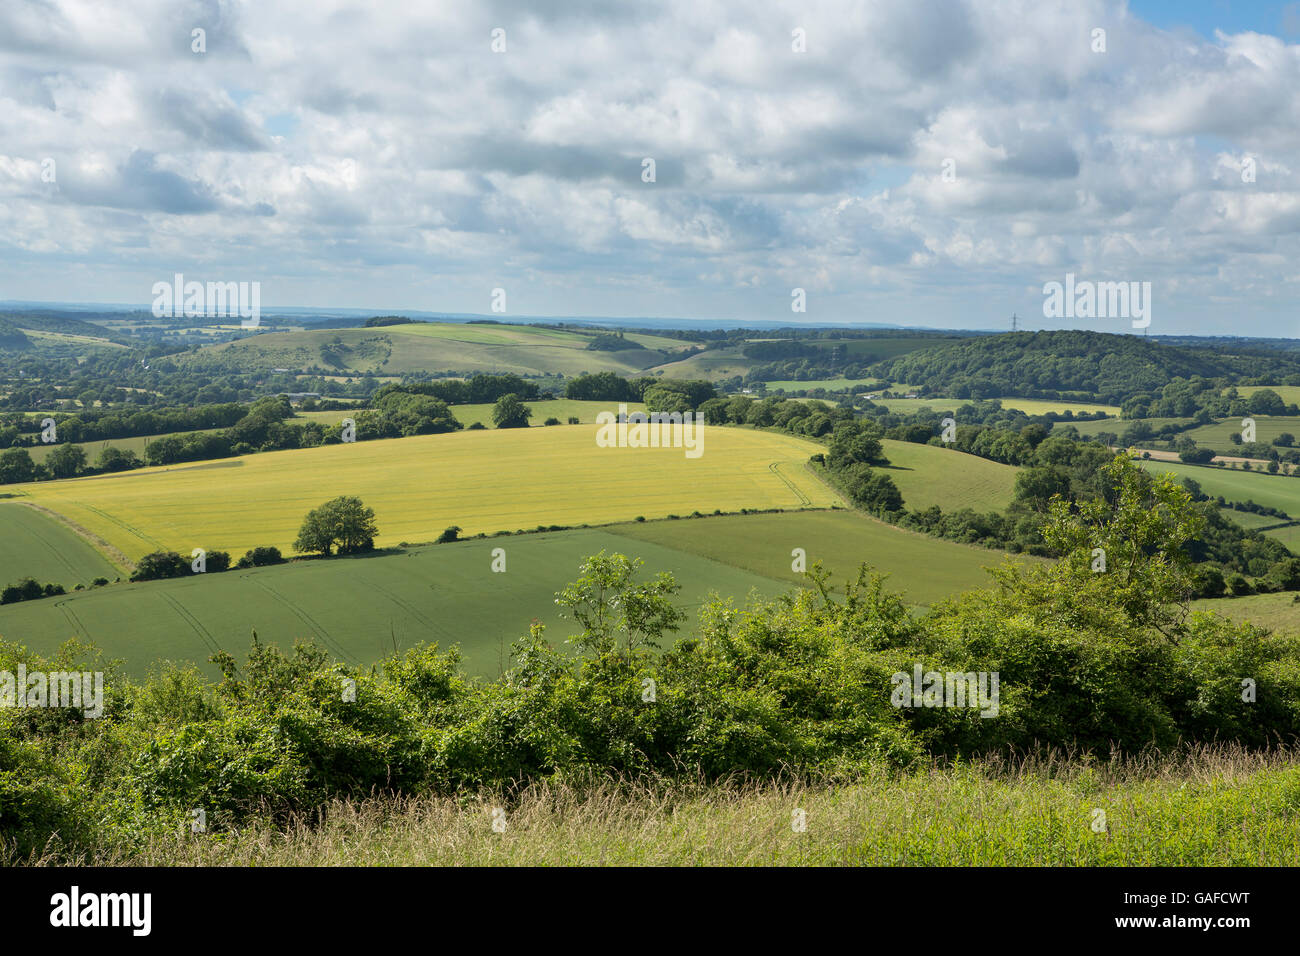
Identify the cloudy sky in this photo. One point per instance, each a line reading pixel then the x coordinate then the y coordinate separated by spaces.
pixel 925 162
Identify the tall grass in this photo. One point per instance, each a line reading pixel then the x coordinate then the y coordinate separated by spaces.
pixel 1204 806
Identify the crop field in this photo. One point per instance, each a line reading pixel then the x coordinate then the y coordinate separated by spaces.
pixel 930 475
pixel 1217 435
pixel 922 568
pixel 483 481
pixel 397 349
pixel 41 547
pixel 1275 491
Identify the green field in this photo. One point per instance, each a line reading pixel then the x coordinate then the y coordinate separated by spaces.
pixel 483 481
pixel 1267 427
pixel 930 475
pixel 924 569
pixel 1030 406
pixel 359 607
pixel 1288 393
pixel 33 545
pixel 830 384
pixel 1117 426
pixel 1275 491
pixel 435 346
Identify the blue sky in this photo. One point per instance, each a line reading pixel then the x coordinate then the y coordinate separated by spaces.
pixel 923 162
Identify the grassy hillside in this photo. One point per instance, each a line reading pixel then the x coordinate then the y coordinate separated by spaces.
pixel 398 349
pixel 483 481
pixel 38 546
pixel 560 408
pixel 930 475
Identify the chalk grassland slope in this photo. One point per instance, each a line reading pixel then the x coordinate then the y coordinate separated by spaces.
pixel 483 481
pixel 930 475
pixel 396 349
pixel 923 569
pixel 360 608
pixel 41 547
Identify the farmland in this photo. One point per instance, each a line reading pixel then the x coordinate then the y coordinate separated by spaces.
pixel 482 481
pixel 1275 491
pixel 360 608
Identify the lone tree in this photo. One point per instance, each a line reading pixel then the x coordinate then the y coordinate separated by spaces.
pixel 510 412
pixel 343 522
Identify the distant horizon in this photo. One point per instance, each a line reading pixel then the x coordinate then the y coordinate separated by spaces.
pixel 629 320
pixel 914 163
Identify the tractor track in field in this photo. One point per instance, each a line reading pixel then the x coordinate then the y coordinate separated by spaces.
pixel 410 609
pixel 72 619
pixel 804 500
pixel 311 622
pixel 204 634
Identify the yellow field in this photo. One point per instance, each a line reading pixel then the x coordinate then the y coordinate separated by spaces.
pixel 483 481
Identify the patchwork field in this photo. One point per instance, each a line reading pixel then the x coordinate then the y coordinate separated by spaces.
pixel 483 481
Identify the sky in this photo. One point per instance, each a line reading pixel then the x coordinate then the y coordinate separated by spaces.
pixel 924 162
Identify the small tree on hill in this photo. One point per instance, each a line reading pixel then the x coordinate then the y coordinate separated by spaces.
pixel 510 412
pixel 343 522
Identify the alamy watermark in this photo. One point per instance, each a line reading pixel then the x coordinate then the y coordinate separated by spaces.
pixel 655 430
pixel 1098 300
pixel 977 689
pixel 213 300
pixel 30 689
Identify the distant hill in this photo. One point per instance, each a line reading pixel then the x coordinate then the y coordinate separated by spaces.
pixel 1099 365
pixel 59 323
pixel 434 347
